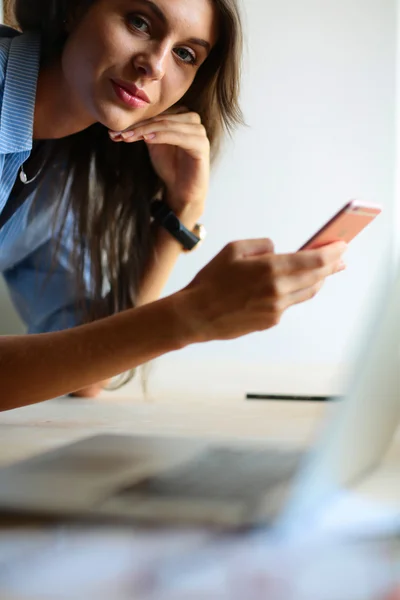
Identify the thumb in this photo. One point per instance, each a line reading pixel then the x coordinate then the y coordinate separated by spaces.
pixel 258 247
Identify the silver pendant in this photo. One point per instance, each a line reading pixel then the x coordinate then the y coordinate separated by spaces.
pixel 22 176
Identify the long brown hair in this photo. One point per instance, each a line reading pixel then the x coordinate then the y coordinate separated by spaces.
pixel 112 185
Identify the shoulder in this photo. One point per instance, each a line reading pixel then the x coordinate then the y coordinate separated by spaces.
pixel 19 69
pixel 6 36
pixel 8 32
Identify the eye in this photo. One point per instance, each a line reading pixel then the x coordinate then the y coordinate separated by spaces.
pixel 186 55
pixel 138 23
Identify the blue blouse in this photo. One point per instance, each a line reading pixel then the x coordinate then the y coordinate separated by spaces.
pixel 45 302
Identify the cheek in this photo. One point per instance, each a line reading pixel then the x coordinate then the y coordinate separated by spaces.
pixel 174 89
pixel 84 54
pixel 77 64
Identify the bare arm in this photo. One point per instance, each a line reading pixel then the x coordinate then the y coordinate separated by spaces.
pixel 182 161
pixel 163 259
pixel 38 367
pixel 164 256
pixel 245 288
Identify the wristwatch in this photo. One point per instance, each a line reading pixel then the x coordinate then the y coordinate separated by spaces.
pixel 164 216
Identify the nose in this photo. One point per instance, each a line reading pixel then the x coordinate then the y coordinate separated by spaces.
pixel 152 63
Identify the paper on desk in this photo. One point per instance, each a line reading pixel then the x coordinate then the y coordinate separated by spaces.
pixel 107 566
pixel 347 514
pixel 350 552
pixel 320 564
pixel 352 515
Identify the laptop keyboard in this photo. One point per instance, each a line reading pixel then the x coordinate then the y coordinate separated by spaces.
pixel 221 473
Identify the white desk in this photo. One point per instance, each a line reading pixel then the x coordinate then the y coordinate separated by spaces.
pixel 25 432
pixel 33 429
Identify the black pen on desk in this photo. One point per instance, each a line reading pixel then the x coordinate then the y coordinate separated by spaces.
pixel 287 397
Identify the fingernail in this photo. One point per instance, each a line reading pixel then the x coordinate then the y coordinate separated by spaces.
pixel 128 134
pixel 116 138
pixel 149 136
pixel 342 265
pixel 114 134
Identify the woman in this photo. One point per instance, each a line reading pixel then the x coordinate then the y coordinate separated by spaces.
pixel 124 102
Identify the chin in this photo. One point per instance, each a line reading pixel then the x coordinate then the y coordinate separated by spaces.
pixel 116 119
pixel 116 124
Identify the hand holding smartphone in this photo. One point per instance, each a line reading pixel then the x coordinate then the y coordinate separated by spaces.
pixel 345 225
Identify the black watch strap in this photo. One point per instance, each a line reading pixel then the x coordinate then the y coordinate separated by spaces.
pixel 164 216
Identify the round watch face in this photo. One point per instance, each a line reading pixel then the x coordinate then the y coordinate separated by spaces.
pixel 200 231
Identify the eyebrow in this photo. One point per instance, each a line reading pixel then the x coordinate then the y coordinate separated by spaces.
pixel 159 13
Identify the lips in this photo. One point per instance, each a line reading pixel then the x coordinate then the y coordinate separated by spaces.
pixel 132 89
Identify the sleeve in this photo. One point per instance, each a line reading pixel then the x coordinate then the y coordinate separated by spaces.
pixel 44 291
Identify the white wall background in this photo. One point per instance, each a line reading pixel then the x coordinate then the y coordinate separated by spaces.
pixel 319 98
pixel 319 92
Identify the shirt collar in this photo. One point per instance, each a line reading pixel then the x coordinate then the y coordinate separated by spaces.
pixel 18 108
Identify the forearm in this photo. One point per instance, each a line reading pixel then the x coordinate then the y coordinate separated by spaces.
pixel 165 253
pixel 164 256
pixel 55 364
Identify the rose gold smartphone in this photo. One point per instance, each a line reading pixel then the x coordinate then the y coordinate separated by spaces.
pixel 345 225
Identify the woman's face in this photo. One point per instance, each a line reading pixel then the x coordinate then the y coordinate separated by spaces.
pixel 121 48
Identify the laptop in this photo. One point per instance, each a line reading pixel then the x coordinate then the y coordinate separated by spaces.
pixel 178 481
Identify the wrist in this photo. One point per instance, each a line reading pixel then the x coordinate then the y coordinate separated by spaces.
pixel 189 216
pixel 182 226
pixel 191 310
pixel 188 213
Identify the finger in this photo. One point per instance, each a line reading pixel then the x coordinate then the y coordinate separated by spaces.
pixel 174 114
pixel 249 248
pixel 163 125
pixel 324 254
pixel 197 146
pixel 286 264
pixel 304 295
pixel 286 285
pixel 187 117
pixel 273 308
